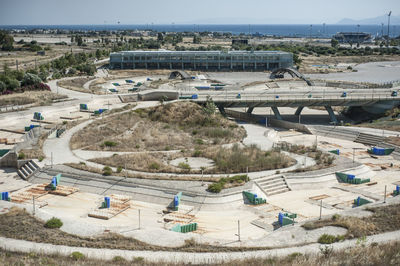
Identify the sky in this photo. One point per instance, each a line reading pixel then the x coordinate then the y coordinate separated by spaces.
pixel 69 12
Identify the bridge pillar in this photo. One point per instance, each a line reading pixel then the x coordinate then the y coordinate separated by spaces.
pixel 298 111
pixel 331 114
pixel 221 110
pixel 276 113
pixel 250 110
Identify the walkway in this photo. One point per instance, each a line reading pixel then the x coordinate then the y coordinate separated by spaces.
pixel 184 257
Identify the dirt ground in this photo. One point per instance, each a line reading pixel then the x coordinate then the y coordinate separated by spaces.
pixel 75 84
pixel 30 97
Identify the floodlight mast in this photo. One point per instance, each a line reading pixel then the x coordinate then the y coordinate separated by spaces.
pixel 388 38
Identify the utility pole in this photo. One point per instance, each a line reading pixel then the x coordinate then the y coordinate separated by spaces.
pixel 320 210
pixel 384 196
pixel 388 37
pixel 238 234
pixel 139 219
pixel 33 202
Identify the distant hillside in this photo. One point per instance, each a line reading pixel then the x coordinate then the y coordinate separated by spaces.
pixel 394 20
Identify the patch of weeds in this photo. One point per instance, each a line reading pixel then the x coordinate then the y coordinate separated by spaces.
pixel 108 143
pixel 119 169
pixel 154 166
pixel 107 171
pixel 21 156
pixel 118 259
pixel 329 239
pixel 184 166
pixel 76 255
pixel 53 223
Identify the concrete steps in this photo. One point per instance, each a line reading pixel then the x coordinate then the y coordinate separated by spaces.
pixel 369 139
pixel 273 185
pixel 28 169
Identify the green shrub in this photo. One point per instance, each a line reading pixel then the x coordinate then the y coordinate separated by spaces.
pixel 21 156
pixel 118 259
pixel 110 143
pixel 138 260
pixel 197 153
pixel 329 239
pixel 184 166
pixel 76 255
pixel 154 166
pixel 119 169
pixel 199 141
pixel 215 187
pixel 41 158
pixel 53 223
pixel 107 171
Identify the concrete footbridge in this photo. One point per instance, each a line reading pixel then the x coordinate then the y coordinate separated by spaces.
pixel 298 97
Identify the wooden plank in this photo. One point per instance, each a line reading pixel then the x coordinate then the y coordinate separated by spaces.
pixel 70 117
pixel 319 197
pixel 22 132
pixel 42 121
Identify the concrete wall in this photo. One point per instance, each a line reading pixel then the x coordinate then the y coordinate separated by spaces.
pixel 272 122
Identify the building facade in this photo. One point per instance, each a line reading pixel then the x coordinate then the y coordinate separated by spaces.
pixel 202 60
pixel 353 37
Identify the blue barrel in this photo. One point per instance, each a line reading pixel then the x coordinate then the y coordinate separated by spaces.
pixel 280 218
pixel 358 201
pixel 176 201
pixel 338 151
pixel 108 201
pixel 277 97
pixel 195 96
pixel 54 181
pixel 2 195
pixel 6 195
pixel 398 188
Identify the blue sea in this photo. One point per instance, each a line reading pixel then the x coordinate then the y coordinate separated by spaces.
pixel 298 30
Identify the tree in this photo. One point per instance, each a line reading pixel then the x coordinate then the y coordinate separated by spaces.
pixel 160 37
pixel 3 86
pixel 334 43
pixel 13 84
pixel 30 79
pixel 98 54
pixel 196 39
pixel 6 41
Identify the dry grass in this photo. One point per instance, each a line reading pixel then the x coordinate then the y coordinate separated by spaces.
pixel 173 126
pixel 375 254
pixel 75 84
pixel 383 219
pixel 30 97
pixel 238 160
pixel 393 140
pixel 84 167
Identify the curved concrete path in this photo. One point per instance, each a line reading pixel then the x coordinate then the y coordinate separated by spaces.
pixel 185 257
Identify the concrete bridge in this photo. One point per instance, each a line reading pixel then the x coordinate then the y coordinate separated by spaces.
pixel 300 98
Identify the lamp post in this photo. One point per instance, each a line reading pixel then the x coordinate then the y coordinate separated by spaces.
pixel 388 38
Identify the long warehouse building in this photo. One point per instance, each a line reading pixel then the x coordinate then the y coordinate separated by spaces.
pixel 202 60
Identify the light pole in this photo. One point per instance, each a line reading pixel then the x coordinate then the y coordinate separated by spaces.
pixel 388 38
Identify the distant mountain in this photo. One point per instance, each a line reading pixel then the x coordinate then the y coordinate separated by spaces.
pixel 394 20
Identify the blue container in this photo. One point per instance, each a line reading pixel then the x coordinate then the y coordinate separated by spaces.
pixel 277 97
pixel 398 188
pixel 54 181
pixel 280 218
pixel 351 177
pixel 358 201
pixel 338 151
pixel 195 96
pixel 6 196
pixel 108 201
pixel 176 201
pixel 2 195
